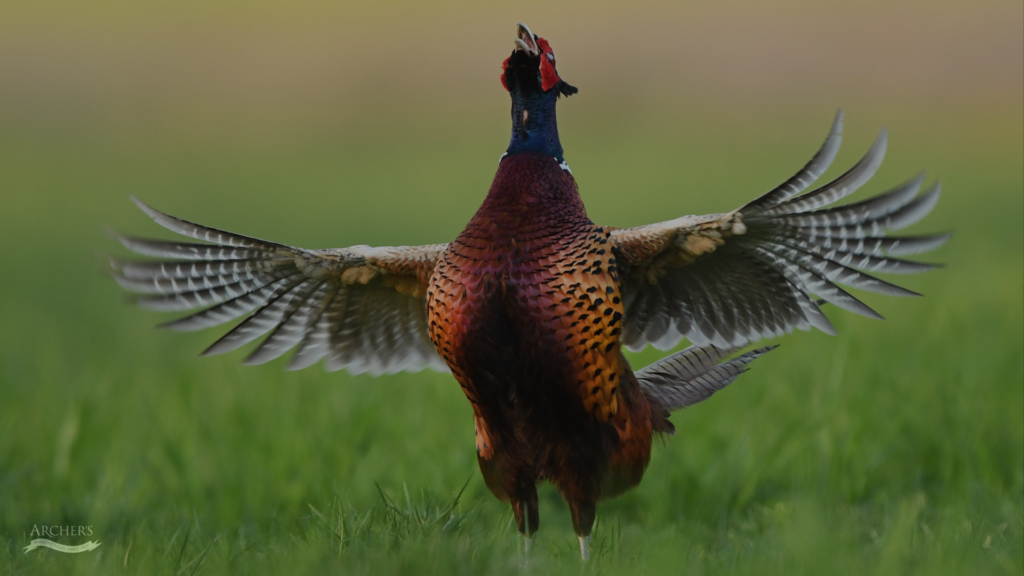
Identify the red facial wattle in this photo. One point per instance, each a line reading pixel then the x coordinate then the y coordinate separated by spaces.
pixel 504 65
pixel 548 76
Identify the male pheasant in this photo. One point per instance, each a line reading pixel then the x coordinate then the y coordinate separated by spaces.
pixel 531 305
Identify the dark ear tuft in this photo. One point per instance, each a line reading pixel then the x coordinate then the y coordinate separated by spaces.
pixel 567 89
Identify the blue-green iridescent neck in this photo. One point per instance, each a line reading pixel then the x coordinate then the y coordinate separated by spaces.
pixel 534 126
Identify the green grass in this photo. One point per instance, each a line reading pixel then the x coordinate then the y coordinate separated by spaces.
pixel 894 448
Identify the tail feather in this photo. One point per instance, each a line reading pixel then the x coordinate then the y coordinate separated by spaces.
pixel 693 375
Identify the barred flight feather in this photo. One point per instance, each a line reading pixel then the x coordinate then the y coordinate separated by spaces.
pixel 291 330
pixel 213 235
pixel 913 213
pixel 874 245
pixel 198 298
pixel 188 269
pixel 841 187
pixel 859 212
pixel 837 271
pixel 179 285
pixel 227 311
pixel 316 342
pixel 858 259
pixel 262 320
pixel 186 250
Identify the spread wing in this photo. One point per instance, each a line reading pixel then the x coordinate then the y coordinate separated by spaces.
pixel 730 279
pixel 361 308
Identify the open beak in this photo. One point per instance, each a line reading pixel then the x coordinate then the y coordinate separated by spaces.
pixel 526 41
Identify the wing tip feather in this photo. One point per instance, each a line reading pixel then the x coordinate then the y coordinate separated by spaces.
pixel 149 210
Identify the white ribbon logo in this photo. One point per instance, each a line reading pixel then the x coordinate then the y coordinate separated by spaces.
pixel 88 546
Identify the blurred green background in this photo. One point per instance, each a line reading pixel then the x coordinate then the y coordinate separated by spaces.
pixel 895 447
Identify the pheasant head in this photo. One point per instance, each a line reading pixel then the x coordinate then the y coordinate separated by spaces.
pixel 532 80
pixel 531 67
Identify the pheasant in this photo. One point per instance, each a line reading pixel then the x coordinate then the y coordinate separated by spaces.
pixel 530 307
